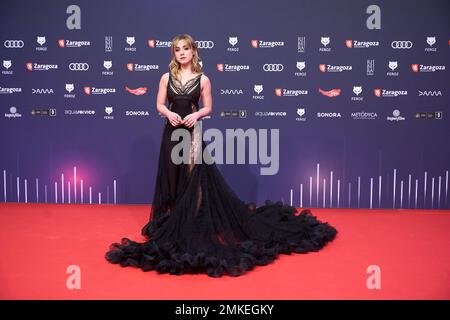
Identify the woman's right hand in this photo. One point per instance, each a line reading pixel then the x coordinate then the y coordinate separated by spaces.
pixel 174 119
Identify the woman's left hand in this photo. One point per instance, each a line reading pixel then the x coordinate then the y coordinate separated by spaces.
pixel 190 120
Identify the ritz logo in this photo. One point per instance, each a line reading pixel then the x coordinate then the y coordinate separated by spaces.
pixel 74 20
pixel 374 20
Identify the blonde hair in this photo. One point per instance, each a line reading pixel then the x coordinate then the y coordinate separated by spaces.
pixel 174 65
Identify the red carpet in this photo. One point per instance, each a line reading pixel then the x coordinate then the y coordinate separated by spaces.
pixel 40 241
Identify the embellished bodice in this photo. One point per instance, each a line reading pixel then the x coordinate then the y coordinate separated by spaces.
pixel 183 98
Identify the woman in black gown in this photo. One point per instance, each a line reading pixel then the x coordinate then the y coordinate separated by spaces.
pixel 197 223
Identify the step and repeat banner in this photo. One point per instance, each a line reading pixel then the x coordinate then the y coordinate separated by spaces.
pixel 356 94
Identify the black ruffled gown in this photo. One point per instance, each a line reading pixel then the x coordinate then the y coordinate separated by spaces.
pixel 198 225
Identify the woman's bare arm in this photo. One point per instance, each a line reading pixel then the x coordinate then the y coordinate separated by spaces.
pixel 161 98
pixel 162 95
pixel 206 97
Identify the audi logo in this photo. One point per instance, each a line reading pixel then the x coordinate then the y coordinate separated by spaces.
pixel 13 44
pixel 204 44
pixel 401 44
pixel 273 67
pixel 79 66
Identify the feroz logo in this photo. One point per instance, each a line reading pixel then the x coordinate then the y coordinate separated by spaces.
pixel 258 88
pixel 431 40
pixel 393 65
pixel 325 41
pixel 69 87
pixel 357 90
pixel 40 40
pixel 131 40
pixel 107 64
pixel 300 65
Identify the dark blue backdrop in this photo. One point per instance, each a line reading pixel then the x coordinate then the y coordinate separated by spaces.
pixel 410 156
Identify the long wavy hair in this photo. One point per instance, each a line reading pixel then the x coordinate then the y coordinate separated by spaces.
pixel 174 65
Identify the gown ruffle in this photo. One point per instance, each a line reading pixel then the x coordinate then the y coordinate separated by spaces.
pixel 198 224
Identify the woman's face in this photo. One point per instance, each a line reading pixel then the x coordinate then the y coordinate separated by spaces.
pixel 183 54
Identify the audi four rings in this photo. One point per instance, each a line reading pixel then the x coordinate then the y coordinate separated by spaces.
pixel 204 44
pixel 78 66
pixel 13 44
pixel 401 44
pixel 275 67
